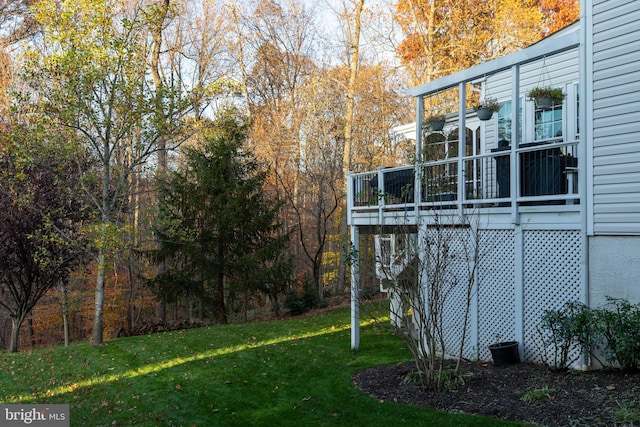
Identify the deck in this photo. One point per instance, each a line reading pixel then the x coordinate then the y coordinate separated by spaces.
pixel 504 183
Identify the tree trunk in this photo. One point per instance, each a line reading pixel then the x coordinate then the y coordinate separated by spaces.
pixel 65 315
pixel 347 159
pixel 98 321
pixel 161 123
pixel 344 249
pixel 16 324
pixel 220 308
pixel 351 89
pixel 31 331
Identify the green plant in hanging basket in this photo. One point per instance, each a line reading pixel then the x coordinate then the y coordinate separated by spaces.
pixel 491 104
pixel 553 93
pixel 486 108
pixel 436 121
pixel 437 117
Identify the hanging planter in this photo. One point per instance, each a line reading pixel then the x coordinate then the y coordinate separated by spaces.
pixel 486 108
pixel 436 122
pixel 546 97
pixel 505 353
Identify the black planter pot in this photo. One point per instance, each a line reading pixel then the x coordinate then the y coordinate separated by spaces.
pixel 484 114
pixel 437 125
pixel 544 102
pixel 505 353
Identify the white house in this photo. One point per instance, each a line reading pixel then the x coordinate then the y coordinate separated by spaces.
pixel 558 186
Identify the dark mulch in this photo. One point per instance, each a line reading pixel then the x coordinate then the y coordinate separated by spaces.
pixel 573 398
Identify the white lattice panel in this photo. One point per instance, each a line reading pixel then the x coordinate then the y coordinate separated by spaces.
pixel 551 276
pixel 508 291
pixel 460 245
pixel 496 289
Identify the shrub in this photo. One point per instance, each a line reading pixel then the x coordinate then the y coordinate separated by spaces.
pixel 557 331
pixel 303 298
pixel 611 329
pixel 544 393
pixel 620 322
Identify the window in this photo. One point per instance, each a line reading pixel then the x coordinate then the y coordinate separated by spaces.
pixel 548 123
pixel 504 122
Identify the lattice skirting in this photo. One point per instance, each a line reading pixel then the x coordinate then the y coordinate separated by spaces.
pixel 519 276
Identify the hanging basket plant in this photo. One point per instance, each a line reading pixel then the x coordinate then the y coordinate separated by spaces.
pixel 436 122
pixel 486 108
pixel 546 97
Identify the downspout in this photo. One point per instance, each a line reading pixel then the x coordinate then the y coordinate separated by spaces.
pixel 585 146
pixel 515 214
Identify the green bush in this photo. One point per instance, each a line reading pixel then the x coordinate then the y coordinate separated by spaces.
pixel 303 298
pixel 611 330
pixel 558 331
pixel 620 322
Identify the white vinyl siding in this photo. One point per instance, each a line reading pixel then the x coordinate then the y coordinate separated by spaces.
pixel 616 117
pixel 561 71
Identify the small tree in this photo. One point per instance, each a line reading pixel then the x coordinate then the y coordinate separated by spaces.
pixel 88 71
pixel 424 273
pixel 40 217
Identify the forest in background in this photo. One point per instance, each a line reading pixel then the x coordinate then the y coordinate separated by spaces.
pixel 112 95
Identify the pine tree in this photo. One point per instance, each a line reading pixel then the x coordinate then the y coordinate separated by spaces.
pixel 218 227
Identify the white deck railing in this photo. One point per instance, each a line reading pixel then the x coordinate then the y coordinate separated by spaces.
pixel 545 174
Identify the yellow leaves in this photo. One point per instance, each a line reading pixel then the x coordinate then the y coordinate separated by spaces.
pixel 107 237
pixel 445 36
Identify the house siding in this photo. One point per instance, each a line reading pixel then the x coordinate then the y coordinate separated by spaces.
pixel 616 117
pixel 559 70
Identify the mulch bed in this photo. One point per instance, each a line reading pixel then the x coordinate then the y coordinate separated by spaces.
pixel 571 398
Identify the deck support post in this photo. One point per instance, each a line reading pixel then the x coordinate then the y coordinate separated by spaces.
pixel 355 288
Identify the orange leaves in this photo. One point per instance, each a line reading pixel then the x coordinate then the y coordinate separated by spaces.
pixel 559 13
pixel 444 36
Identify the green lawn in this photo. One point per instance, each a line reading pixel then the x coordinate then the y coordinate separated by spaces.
pixel 294 372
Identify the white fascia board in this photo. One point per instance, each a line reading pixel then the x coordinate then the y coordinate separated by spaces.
pixel 408 130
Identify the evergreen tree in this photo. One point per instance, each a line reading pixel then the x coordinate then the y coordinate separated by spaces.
pixel 217 227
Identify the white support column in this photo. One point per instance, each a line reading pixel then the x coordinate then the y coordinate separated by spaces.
pixel 473 331
pixel 355 288
pixel 519 287
pixel 395 307
pixel 514 177
pixel 421 306
pixel 462 143
pixel 418 184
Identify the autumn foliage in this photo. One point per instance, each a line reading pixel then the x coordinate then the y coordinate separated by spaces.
pixel 134 82
pixel 445 36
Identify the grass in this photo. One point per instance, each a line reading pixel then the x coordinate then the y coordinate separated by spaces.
pixel 628 413
pixel 287 373
pixel 537 394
